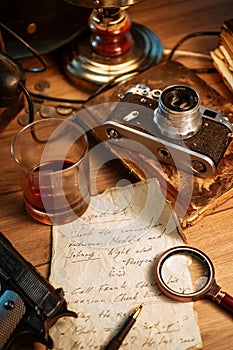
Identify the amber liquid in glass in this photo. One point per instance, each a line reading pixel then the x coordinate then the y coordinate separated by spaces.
pixel 53 197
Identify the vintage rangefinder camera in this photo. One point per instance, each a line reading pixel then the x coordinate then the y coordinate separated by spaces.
pixel 172 125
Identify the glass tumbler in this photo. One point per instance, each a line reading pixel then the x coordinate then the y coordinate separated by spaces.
pixel 52 164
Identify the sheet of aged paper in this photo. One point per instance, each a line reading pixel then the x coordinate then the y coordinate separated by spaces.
pixel 105 263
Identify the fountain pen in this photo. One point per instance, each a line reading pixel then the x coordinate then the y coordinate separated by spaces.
pixel 117 340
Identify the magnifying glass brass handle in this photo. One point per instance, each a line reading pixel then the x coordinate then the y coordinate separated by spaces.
pixel 225 300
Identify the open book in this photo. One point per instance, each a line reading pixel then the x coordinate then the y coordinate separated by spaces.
pixel 105 263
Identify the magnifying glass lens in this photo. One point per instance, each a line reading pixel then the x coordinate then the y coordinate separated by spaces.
pixel 184 273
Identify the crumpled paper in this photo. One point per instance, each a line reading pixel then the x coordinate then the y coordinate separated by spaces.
pixel 105 263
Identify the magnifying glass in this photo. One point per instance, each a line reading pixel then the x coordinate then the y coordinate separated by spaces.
pixel 186 274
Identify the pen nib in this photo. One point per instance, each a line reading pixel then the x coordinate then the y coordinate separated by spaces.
pixel 135 313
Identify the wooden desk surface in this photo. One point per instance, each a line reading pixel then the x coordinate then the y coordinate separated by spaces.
pixel 171 20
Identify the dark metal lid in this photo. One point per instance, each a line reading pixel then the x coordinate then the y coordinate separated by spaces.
pixel 45 25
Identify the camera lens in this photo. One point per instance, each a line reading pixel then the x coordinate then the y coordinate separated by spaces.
pixel 178 113
pixel 179 98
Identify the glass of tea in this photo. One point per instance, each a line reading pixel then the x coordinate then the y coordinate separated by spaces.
pixel 52 163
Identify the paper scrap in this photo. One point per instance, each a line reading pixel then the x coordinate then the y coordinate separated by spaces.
pixel 105 263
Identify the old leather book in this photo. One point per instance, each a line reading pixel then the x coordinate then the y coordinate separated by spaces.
pixel 206 194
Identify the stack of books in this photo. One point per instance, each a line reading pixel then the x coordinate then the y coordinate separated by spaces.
pixel 223 55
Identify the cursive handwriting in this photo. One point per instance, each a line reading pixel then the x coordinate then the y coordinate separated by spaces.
pixel 108 260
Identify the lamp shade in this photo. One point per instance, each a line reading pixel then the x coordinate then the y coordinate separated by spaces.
pixel 104 3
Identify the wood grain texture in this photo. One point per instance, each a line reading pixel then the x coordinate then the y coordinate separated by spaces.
pixel 170 20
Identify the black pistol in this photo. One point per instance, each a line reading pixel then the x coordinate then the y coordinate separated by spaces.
pixel 29 304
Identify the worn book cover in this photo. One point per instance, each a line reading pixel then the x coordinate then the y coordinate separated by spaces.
pixel 192 197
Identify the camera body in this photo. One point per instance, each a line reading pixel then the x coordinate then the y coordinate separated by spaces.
pixel 172 125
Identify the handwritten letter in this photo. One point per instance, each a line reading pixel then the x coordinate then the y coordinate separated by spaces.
pixel 105 263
